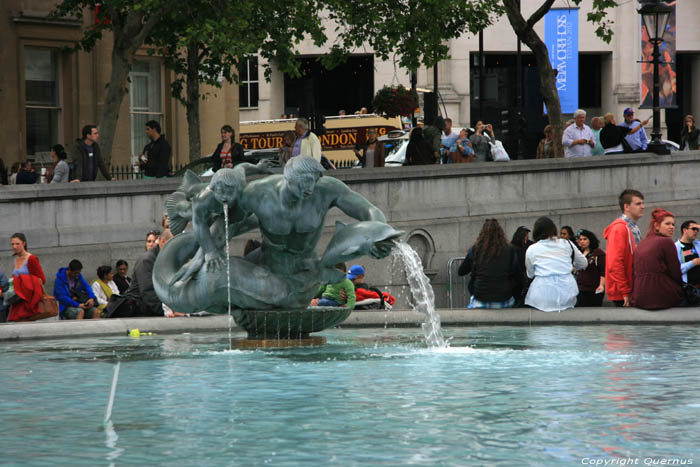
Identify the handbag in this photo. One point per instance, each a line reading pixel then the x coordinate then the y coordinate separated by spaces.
pixel 692 297
pixel 48 308
pixel 458 158
pixel 498 152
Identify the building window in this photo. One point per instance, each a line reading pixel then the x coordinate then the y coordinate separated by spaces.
pixel 248 87
pixel 43 104
pixel 145 101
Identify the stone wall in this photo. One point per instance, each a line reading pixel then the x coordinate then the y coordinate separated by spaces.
pixel 440 208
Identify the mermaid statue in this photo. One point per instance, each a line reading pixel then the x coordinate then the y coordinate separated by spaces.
pixel 289 210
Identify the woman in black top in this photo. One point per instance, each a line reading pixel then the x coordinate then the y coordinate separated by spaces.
pixel 418 151
pixel 520 242
pixel 591 281
pixel 612 136
pixel 228 153
pixel 689 134
pixel 493 264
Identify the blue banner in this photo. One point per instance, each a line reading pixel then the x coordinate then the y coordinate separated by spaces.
pixel 561 38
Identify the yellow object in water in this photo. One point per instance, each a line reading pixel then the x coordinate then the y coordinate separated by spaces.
pixel 137 333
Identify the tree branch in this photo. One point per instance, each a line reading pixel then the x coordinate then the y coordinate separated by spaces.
pixel 541 11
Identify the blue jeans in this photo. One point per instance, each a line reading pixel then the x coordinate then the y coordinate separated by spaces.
pixel 327 302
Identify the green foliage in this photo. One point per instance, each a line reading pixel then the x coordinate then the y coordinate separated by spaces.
pixel 415 31
pixel 225 32
pixel 395 101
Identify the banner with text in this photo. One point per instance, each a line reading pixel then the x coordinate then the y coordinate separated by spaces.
pixel 561 38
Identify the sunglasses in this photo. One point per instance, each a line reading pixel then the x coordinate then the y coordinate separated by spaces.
pixel 695 229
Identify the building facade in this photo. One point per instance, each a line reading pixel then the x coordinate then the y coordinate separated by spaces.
pixel 609 74
pixel 49 94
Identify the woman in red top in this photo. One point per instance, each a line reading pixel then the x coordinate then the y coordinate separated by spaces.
pixel 656 271
pixel 28 280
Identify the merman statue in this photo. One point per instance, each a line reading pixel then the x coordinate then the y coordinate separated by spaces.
pixel 190 273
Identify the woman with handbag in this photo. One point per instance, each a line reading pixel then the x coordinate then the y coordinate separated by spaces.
pixel 28 281
pixel 550 263
pixel 656 270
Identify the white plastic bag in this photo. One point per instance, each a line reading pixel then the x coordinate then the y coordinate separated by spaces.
pixel 498 152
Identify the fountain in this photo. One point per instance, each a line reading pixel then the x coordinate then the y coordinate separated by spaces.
pixel 269 290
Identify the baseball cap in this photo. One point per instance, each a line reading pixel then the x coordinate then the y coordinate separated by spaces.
pixel 628 110
pixel 355 270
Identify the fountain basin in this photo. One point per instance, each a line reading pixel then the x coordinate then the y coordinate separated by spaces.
pixel 500 395
pixel 288 324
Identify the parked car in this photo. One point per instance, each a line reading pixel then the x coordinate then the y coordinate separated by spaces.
pixel 395 144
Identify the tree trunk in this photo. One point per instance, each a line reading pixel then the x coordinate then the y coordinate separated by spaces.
pixel 130 32
pixel 121 65
pixel 192 102
pixel 548 86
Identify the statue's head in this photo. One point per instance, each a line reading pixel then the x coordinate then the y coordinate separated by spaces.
pixel 301 174
pixel 226 184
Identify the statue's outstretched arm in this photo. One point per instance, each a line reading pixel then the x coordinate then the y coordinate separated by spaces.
pixel 372 236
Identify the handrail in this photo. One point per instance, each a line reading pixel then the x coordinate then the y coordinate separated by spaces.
pixel 450 262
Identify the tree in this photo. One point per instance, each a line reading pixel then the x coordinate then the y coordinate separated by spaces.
pixel 130 21
pixel 206 48
pixel 417 31
pixel 524 29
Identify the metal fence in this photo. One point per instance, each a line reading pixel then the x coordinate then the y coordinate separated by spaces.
pixel 458 294
pixel 346 164
pixel 133 172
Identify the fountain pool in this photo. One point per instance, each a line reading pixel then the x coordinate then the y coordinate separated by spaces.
pixel 497 396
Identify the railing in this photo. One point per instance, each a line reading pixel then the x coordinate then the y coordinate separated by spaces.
pixel 346 164
pixel 457 288
pixel 133 172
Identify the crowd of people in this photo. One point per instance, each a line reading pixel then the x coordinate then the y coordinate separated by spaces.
pixel 112 293
pixel 436 143
pixel 556 270
pixel 115 294
pixel 551 273
pixel 86 162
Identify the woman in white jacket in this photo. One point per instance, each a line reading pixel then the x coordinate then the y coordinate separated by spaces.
pixel 103 287
pixel 551 262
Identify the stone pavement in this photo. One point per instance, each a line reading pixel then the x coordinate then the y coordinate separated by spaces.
pixel 51 329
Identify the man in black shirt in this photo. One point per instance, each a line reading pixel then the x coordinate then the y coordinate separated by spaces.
pixel 155 158
pixel 689 252
pixel 87 157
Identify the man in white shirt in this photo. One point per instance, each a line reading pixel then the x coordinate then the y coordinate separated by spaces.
pixel 578 138
pixel 307 143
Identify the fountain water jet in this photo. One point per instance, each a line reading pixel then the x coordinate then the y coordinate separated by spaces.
pixel 423 294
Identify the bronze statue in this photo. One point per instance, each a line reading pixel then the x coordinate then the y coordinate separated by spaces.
pixel 285 272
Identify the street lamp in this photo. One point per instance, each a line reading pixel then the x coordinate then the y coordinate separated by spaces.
pixel 655 15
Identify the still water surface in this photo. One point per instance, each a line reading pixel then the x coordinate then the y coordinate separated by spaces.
pixel 498 396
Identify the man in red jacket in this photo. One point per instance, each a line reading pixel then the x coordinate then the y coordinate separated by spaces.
pixel 622 235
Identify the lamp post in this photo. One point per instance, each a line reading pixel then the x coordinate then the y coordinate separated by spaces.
pixel 655 15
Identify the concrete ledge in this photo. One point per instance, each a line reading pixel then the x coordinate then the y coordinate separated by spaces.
pixel 52 329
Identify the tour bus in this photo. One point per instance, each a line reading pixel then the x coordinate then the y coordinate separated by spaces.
pixel 343 133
